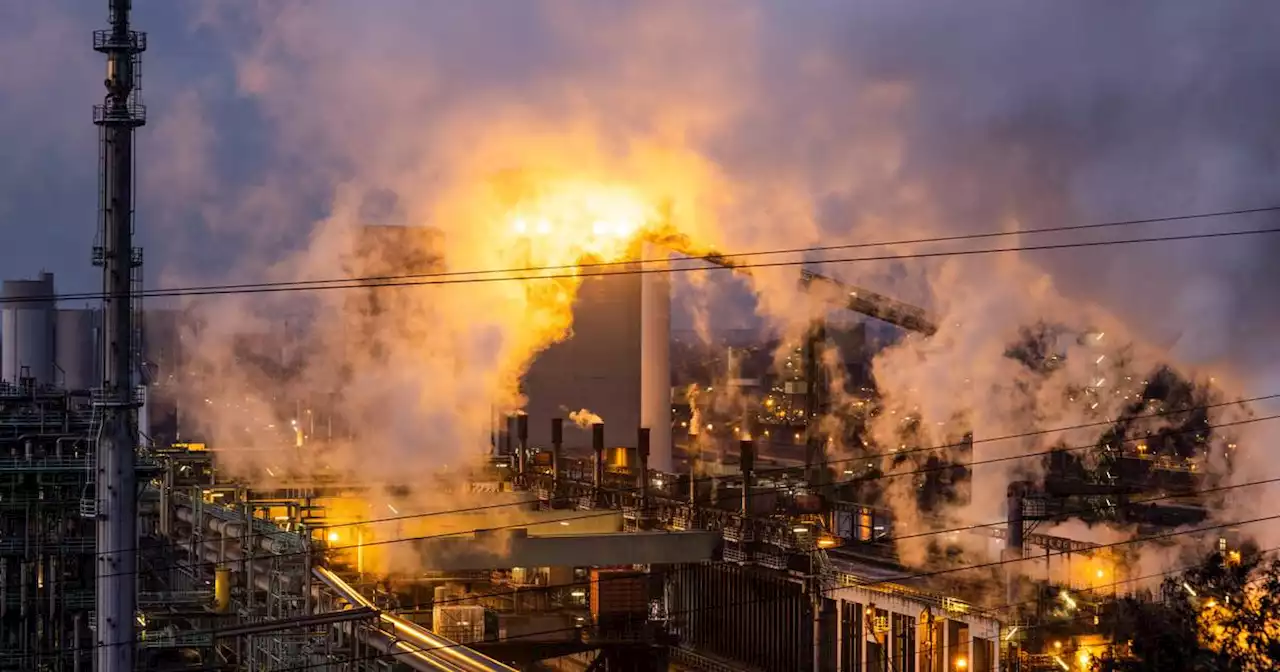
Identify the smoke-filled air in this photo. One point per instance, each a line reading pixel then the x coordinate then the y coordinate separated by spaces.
pixel 541 139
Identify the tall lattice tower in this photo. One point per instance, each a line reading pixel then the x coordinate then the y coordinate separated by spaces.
pixel 118 116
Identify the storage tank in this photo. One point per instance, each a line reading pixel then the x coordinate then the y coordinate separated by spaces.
pixel 27 316
pixel 76 348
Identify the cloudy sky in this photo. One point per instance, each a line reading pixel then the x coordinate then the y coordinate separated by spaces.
pixel 836 121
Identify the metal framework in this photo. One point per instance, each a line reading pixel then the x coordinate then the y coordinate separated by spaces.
pixel 120 113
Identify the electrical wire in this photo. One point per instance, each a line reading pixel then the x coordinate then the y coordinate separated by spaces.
pixel 194 565
pixel 822 591
pixel 873 456
pixel 610 512
pixel 891 580
pixel 468 276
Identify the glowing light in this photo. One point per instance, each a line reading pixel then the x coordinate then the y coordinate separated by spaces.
pixel 962 663
pixel 1057 645
pixel 1101 574
pixel 333 536
pixel 520 226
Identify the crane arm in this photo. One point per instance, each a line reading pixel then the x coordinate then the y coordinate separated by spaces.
pixel 856 299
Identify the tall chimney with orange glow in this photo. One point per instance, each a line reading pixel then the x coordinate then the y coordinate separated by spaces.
pixel 655 352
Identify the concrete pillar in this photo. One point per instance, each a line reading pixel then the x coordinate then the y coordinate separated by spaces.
pixel 655 354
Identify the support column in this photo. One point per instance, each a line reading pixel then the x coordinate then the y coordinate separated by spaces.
pixel 655 353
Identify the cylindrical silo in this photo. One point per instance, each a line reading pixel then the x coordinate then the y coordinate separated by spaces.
pixel 27 315
pixel 76 348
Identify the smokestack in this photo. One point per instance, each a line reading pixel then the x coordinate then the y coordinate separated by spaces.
pixel 655 352
pixel 557 442
pixel 642 453
pixel 597 448
pixel 694 450
pixel 1013 538
pixel 522 444
pixel 747 460
pixel 814 404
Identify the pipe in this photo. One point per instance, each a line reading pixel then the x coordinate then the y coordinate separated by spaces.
pixel 642 452
pixel 234 529
pixel 597 448
pixel 522 441
pixel 557 443
pixel 222 590
pixel 1013 537
pixel 442 653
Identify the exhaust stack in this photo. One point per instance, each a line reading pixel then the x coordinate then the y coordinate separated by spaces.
pixel 747 461
pixel 597 449
pixel 522 442
pixel 557 443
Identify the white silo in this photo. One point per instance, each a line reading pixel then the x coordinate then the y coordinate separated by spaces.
pixel 76 350
pixel 27 315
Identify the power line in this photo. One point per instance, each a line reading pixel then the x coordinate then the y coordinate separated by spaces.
pixel 467 277
pixel 775 264
pixel 823 591
pixel 873 456
pixel 197 564
pixel 1087 509
pixel 612 512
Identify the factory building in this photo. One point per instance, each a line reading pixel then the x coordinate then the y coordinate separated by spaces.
pixel 596 369
pixel 616 364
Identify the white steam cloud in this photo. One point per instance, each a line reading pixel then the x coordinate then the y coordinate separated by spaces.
pixel 764 127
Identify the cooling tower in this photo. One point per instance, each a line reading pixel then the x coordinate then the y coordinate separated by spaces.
pixel 76 349
pixel 27 316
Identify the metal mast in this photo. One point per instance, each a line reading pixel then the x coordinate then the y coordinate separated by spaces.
pixel 117 117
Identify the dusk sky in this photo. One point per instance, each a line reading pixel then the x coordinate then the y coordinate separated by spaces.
pixel 867 120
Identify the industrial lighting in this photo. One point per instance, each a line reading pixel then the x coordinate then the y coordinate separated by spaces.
pixel 1083 659
pixel 1058 645
pixel 1101 573
pixel 962 663
pixel 333 536
pixel 578 593
pixel 799 530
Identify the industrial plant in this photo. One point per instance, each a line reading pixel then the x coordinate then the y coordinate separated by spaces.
pixel 641 501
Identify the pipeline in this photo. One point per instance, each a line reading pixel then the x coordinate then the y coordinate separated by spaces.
pixel 232 529
pixel 424 645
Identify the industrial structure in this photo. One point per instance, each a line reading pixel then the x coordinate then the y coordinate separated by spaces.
pixel 612 545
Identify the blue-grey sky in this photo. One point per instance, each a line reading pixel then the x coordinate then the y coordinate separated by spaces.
pixel 867 120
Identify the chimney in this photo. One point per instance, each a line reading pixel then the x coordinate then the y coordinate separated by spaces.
pixel 642 453
pixel 597 447
pixel 557 442
pixel 747 461
pixel 1013 537
pixel 522 444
